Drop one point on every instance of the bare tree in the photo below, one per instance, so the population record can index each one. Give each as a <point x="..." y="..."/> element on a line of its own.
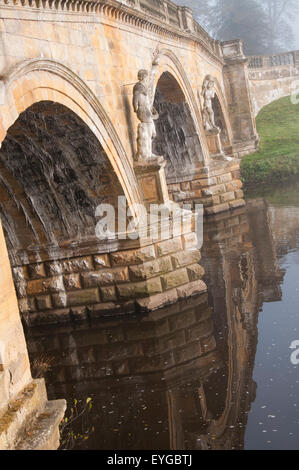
<point x="263" y="25"/>
<point x="279" y="14"/>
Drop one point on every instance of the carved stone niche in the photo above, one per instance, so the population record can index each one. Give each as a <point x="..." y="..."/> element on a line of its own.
<point x="152" y="181"/>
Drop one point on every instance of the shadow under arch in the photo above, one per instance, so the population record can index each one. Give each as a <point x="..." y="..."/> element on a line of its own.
<point x="180" y="115"/>
<point x="222" y="120"/>
<point x="53" y="175"/>
<point x="46" y="80"/>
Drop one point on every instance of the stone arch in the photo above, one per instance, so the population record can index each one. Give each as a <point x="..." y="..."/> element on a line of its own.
<point x="170" y="66"/>
<point x="46" y="80"/>
<point x="222" y="108"/>
<point x="178" y="127"/>
<point x="53" y="175"/>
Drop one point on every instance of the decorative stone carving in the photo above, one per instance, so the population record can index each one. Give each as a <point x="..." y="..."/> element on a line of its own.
<point x="146" y="113"/>
<point x="212" y="131"/>
<point x="208" y="93"/>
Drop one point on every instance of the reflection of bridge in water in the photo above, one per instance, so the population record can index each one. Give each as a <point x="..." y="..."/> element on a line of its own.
<point x="181" y="377"/>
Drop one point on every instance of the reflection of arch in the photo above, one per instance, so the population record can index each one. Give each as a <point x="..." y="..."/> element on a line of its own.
<point x="45" y="80"/>
<point x="231" y="275"/>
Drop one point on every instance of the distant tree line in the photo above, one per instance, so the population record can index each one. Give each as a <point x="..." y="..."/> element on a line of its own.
<point x="263" y="25"/>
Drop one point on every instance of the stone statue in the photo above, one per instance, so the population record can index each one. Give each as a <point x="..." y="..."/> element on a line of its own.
<point x="208" y="92"/>
<point x="146" y="113"/>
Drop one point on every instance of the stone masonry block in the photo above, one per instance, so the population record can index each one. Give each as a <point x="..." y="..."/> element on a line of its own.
<point x="144" y="271"/>
<point x="79" y="297"/>
<point x="74" y="265"/>
<point x="108" y="294"/>
<point x="169" y="246"/>
<point x="50" y="284"/>
<point x="190" y="289"/>
<point x="195" y="272"/>
<point x="140" y="289"/>
<point x="190" y="241"/>
<point x="44" y="302"/>
<point x="101" y="261"/>
<point x="227" y="197"/>
<point x="27" y="305"/>
<point x="214" y="190"/>
<point x="105" y="277"/>
<point x="175" y="278"/>
<point x="36" y="271"/>
<point x="72" y="281"/>
<point x="183" y="258"/>
<point x="130" y="257"/>
<point x="224" y="178"/>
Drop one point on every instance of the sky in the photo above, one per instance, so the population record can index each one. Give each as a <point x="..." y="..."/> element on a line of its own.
<point x="296" y="31"/>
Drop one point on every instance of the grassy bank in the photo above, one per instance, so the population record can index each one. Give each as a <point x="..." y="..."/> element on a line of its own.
<point x="278" y="157"/>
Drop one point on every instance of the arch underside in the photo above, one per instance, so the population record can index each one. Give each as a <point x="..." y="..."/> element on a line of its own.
<point x="177" y="138"/>
<point x="220" y="121"/>
<point x="53" y="175"/>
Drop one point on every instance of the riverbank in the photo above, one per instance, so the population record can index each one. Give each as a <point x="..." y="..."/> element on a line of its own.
<point x="278" y="157"/>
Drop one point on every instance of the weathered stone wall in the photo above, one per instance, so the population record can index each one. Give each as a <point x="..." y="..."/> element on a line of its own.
<point x="127" y="281"/>
<point x="218" y="189"/>
<point x="87" y="58"/>
<point x="23" y="401"/>
<point x="14" y="363"/>
<point x="273" y="77"/>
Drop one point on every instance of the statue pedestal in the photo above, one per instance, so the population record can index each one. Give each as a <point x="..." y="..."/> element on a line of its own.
<point x="152" y="180"/>
<point x="214" y="143"/>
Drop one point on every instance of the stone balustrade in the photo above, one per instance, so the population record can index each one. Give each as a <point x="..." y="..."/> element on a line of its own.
<point x="274" y="60"/>
<point x="272" y="77"/>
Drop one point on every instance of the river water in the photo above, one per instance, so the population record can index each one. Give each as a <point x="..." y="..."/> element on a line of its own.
<point x="209" y="373"/>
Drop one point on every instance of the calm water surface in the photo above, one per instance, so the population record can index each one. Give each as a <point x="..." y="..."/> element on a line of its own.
<point x="208" y="373"/>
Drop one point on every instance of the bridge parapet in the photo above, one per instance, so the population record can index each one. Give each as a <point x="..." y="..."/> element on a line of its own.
<point x="276" y="60"/>
<point x="169" y="15"/>
<point x="267" y="67"/>
<point x="272" y="77"/>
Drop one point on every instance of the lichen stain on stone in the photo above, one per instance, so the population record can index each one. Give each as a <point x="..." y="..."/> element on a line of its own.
<point x="15" y="406"/>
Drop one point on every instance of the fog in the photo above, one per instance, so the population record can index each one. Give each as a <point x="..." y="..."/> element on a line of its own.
<point x="266" y="31"/>
<point x="296" y="32"/>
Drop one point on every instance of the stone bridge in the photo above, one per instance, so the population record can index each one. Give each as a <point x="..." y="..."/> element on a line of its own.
<point x="68" y="143"/>
<point x="273" y="77"/>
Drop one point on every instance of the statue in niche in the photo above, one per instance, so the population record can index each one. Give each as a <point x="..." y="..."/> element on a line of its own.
<point x="146" y="113"/>
<point x="208" y="93"/>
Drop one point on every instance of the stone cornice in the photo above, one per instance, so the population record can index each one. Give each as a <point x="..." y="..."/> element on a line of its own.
<point x="126" y="12"/>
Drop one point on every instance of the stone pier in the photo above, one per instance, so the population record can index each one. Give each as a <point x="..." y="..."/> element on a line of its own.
<point x="27" y="419"/>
